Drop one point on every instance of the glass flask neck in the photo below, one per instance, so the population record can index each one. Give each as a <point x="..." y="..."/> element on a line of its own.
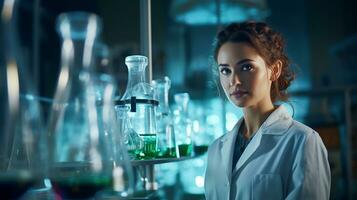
<point x="183" y="109"/>
<point x="79" y="33"/>
<point x="163" y="97"/>
<point x="137" y="85"/>
<point x="136" y="75"/>
<point x="122" y="116"/>
<point x="162" y="88"/>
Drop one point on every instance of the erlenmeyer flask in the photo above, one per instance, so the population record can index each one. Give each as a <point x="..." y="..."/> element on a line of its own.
<point x="87" y="154"/>
<point x="139" y="97"/>
<point x="183" y="124"/>
<point x="165" y="130"/>
<point x="22" y="144"/>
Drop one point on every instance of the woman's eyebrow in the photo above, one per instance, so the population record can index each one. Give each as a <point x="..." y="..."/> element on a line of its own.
<point x="244" y="60"/>
<point x="223" y="65"/>
<point x="238" y="63"/>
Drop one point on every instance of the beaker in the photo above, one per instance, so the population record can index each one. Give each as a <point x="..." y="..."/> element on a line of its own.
<point x="86" y="154"/>
<point x="166" y="135"/>
<point x="183" y="124"/>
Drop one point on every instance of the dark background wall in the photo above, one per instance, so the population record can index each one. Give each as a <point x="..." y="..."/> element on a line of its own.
<point x="313" y="29"/>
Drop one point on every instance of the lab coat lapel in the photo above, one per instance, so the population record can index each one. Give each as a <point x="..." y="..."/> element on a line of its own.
<point x="227" y="148"/>
<point x="250" y="149"/>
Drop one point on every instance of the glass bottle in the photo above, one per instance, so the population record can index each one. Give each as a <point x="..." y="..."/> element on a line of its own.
<point x="183" y="124"/>
<point x="166" y="136"/>
<point x="22" y="140"/>
<point x="139" y="97"/>
<point x="86" y="154"/>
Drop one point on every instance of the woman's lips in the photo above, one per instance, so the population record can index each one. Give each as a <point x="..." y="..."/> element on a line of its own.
<point x="238" y="94"/>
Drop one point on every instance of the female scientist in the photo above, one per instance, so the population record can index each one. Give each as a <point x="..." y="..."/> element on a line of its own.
<point x="267" y="155"/>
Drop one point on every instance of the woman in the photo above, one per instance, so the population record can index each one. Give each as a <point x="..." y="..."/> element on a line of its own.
<point x="267" y="155"/>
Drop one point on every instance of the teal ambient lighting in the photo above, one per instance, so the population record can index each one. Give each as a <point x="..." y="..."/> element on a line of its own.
<point x="202" y="12"/>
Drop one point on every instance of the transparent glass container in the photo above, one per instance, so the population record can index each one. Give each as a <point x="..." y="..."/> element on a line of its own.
<point x="139" y="97"/>
<point x="167" y="147"/>
<point x="22" y="141"/>
<point x="137" y="85"/>
<point x="183" y="125"/>
<point x="87" y="153"/>
<point x="131" y="139"/>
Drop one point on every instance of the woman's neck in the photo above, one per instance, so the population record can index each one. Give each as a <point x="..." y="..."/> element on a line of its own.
<point x="254" y="117"/>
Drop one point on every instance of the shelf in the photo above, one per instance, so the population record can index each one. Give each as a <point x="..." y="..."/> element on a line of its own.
<point x="160" y="160"/>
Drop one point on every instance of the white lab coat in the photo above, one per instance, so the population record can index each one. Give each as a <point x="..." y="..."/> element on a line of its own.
<point x="284" y="160"/>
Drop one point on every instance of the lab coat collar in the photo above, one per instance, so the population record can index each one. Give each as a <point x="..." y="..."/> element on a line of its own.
<point x="276" y="124"/>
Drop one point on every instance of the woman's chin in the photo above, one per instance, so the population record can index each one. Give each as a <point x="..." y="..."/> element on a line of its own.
<point x="238" y="103"/>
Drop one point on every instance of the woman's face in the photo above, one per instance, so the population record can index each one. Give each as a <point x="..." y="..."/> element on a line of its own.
<point x="244" y="75"/>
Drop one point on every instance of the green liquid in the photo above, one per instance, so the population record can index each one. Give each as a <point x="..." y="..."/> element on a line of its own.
<point x="168" y="153"/>
<point x="81" y="187"/>
<point x="185" y="149"/>
<point x="200" y="149"/>
<point x="148" y="151"/>
<point x="134" y="154"/>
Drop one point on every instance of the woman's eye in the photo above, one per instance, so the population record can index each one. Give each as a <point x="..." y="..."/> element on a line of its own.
<point x="247" y="67"/>
<point x="225" y="71"/>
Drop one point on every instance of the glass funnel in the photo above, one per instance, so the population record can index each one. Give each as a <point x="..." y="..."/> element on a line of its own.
<point x="183" y="124"/>
<point x="166" y="136"/>
<point x="22" y="143"/>
<point x="86" y="154"/>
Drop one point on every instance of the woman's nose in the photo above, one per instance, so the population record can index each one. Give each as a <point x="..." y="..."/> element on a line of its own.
<point x="234" y="80"/>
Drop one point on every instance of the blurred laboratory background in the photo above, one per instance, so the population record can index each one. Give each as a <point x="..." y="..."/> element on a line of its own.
<point x="177" y="37"/>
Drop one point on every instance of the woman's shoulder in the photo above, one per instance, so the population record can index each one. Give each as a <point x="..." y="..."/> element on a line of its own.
<point x="300" y="129"/>
<point x="303" y="134"/>
<point x="218" y="142"/>
<point x="307" y="144"/>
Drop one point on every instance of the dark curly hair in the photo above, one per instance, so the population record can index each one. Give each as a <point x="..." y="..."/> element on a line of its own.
<point x="270" y="46"/>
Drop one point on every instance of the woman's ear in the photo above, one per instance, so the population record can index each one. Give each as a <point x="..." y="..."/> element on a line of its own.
<point x="276" y="70"/>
